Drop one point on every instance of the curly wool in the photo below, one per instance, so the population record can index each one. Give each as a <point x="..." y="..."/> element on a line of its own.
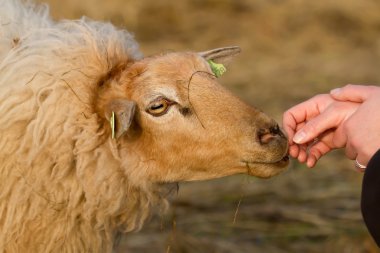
<point x="62" y="187"/>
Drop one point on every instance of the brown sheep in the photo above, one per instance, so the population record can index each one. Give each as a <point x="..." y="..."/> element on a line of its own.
<point x="70" y="181"/>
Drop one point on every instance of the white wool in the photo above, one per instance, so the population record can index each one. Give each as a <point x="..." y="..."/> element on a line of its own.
<point x="62" y="189"/>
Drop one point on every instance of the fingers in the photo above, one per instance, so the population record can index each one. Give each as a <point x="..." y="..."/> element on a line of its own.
<point x="292" y="120"/>
<point x="353" y="155"/>
<point x="306" y="120"/>
<point x="289" y="124"/>
<point x="303" y="112"/>
<point x="331" y="118"/>
<point x="302" y="154"/>
<point x="311" y="152"/>
<point x="352" y="93"/>
<point x="350" y="150"/>
<point x="294" y="150"/>
<point x="317" y="151"/>
<point x="362" y="160"/>
<point x="298" y="151"/>
<point x="320" y="147"/>
<point x="319" y="116"/>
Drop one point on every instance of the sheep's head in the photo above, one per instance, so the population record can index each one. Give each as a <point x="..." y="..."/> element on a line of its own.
<point x="174" y="121"/>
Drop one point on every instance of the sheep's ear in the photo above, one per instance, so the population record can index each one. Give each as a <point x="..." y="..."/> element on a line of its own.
<point x="221" y="55"/>
<point x="120" y="114"/>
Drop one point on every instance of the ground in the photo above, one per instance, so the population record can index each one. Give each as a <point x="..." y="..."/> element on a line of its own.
<point x="291" y="50"/>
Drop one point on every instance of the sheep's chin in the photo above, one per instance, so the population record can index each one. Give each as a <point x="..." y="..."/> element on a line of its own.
<point x="267" y="170"/>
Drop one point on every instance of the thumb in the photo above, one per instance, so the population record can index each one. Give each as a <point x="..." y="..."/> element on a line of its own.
<point x="352" y="93"/>
<point x="329" y="119"/>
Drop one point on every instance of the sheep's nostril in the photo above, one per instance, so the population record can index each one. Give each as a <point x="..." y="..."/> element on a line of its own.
<point x="267" y="135"/>
<point x="275" y="130"/>
<point x="266" y="138"/>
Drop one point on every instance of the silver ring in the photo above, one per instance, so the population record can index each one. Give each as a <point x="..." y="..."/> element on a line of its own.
<point x="360" y="167"/>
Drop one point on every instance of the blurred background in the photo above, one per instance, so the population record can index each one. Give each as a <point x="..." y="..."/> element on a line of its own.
<point x="291" y="50"/>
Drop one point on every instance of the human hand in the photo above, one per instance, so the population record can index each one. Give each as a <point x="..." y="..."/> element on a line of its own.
<point x="314" y="127"/>
<point x="363" y="127"/>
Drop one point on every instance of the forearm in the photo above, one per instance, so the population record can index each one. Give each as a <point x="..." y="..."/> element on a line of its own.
<point x="370" y="202"/>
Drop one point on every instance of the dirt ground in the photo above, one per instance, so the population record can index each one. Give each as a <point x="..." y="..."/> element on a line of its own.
<point x="292" y="50"/>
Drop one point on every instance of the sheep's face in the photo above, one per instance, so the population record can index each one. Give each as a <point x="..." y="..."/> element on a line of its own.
<point x="188" y="127"/>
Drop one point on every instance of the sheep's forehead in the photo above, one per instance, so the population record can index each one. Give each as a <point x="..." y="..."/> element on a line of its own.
<point x="179" y="65"/>
<point x="170" y="74"/>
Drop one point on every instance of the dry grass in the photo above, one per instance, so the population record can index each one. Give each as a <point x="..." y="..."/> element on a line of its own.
<point x="292" y="49"/>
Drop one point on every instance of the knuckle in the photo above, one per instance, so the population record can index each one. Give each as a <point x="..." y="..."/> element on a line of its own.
<point x="287" y="114"/>
<point x="288" y="119"/>
<point x="316" y="153"/>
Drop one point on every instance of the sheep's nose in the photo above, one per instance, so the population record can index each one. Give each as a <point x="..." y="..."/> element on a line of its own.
<point x="266" y="135"/>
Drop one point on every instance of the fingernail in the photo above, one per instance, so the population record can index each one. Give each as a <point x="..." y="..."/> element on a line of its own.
<point x="335" y="91"/>
<point x="299" y="137"/>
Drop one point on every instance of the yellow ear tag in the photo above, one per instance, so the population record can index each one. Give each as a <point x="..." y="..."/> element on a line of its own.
<point x="112" y="122"/>
<point x="217" y="68"/>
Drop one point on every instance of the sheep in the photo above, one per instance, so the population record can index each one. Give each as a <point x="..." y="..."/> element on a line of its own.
<point x="90" y="130"/>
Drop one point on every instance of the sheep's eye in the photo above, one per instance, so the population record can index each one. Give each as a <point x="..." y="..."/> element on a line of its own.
<point x="159" y="107"/>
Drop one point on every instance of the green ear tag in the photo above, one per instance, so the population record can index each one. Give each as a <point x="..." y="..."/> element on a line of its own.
<point x="112" y="122"/>
<point x="217" y="68"/>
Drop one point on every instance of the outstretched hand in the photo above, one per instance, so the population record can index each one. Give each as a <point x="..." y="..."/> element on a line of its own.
<point x="315" y="127"/>
<point x="347" y="117"/>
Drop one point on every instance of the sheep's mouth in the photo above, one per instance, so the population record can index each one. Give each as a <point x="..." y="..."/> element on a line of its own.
<point x="267" y="169"/>
<point x="284" y="161"/>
